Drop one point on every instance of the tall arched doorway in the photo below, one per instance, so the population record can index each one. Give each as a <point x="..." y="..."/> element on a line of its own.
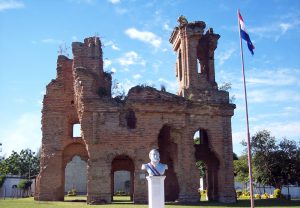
<point x="76" y="176"/>
<point x="122" y="166"/>
<point x="208" y="158"/>
<point x="75" y="159"/>
<point x="168" y="155"/>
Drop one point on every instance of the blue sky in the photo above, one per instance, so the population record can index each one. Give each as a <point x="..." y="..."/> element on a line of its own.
<point x="135" y="36"/>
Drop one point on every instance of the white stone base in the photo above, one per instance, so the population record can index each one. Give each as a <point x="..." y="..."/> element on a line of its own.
<point x="156" y="191"/>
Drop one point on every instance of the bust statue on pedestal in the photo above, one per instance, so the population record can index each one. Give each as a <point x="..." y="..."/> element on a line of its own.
<point x="154" y="167"/>
<point x="156" y="190"/>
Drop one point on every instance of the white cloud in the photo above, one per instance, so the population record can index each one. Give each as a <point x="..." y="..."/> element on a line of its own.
<point x="20" y="100"/>
<point x="269" y="95"/>
<point x="114" y="47"/>
<point x="51" y="40"/>
<point x="112" y="44"/>
<point x="137" y="76"/>
<point x="144" y="36"/>
<point x="287" y="129"/>
<point x="285" y="27"/>
<point x="172" y="86"/>
<point x="107" y="63"/>
<point x="224" y="56"/>
<point x="167" y="27"/>
<point x="275" y="77"/>
<point x="156" y="66"/>
<point x="274" y="85"/>
<point x="131" y="58"/>
<point x="238" y="137"/>
<point x="126" y="85"/>
<point x="10" y="4"/>
<point x="276" y="29"/>
<point x="114" y="70"/>
<point x="121" y="11"/>
<point x="82" y="1"/>
<point x="25" y="133"/>
<point x="114" y="1"/>
<point x="74" y="38"/>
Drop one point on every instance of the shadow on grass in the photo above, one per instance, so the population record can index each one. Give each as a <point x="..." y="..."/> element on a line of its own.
<point x="246" y="203"/>
<point x="122" y="202"/>
<point x="78" y="198"/>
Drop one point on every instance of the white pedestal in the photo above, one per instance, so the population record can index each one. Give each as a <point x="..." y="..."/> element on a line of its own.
<point x="156" y="191"/>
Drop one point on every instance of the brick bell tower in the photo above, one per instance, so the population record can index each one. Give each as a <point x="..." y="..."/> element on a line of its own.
<point x="195" y="68"/>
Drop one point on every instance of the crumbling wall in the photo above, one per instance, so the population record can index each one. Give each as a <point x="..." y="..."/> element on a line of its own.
<point x="146" y="119"/>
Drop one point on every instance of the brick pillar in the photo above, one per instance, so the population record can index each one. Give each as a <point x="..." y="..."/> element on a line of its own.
<point x="190" y="179"/>
<point x="51" y="188"/>
<point x="222" y="146"/>
<point x="99" y="181"/>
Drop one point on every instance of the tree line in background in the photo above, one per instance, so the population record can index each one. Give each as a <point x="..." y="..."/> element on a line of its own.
<point x="25" y="164"/>
<point x="274" y="163"/>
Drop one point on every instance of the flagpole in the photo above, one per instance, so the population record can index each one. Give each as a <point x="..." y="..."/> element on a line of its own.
<point x="247" y="120"/>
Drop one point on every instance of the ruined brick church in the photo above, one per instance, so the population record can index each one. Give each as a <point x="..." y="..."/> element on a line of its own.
<point x="118" y="134"/>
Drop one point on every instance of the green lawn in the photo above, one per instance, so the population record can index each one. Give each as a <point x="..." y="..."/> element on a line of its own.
<point x="30" y="203"/>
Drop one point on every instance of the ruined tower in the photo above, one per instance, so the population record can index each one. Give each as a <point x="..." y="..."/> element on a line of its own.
<point x="195" y="68"/>
<point x="118" y="134"/>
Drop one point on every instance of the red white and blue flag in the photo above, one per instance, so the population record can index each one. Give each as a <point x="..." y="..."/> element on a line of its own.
<point x="244" y="33"/>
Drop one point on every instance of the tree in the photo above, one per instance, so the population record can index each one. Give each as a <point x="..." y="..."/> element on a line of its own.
<point x="289" y="157"/>
<point x="235" y="157"/>
<point x="202" y="168"/>
<point x="263" y="148"/>
<point x="2" y="179"/>
<point x="241" y="169"/>
<point x="275" y="164"/>
<point x="25" y="164"/>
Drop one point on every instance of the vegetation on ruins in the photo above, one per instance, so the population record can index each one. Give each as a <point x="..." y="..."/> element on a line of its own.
<point x="227" y="86"/>
<point x="118" y="92"/>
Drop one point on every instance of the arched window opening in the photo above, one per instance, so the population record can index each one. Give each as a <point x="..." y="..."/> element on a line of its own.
<point x="200" y="137"/>
<point x="76" y="130"/>
<point x="198" y="67"/>
<point x="180" y="65"/>
<point x="131" y="119"/>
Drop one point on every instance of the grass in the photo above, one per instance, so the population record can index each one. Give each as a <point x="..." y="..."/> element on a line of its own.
<point x="30" y="203"/>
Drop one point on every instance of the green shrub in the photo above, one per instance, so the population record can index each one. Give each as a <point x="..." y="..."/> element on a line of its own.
<point x="120" y="193"/>
<point x="24" y="184"/>
<point x="2" y="179"/>
<point x="203" y="194"/>
<point x="244" y="197"/>
<point x="72" y="192"/>
<point x="246" y="193"/>
<point x="257" y="196"/>
<point x="265" y="196"/>
<point x="239" y="193"/>
<point x="277" y="193"/>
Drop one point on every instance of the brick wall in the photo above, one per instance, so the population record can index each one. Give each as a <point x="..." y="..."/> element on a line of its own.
<point x="162" y="120"/>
